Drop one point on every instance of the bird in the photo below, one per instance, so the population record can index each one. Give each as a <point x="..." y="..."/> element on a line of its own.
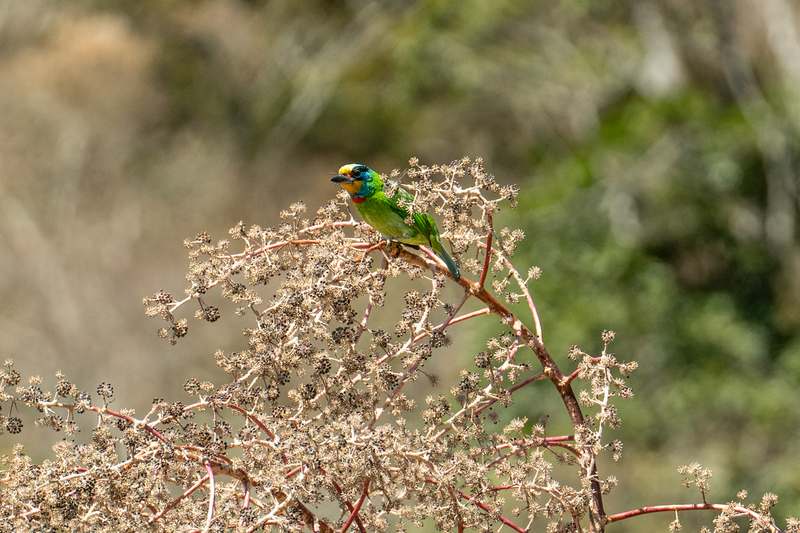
<point x="366" y="189"/>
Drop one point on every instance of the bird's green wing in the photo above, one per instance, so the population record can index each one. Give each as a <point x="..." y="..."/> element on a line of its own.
<point x="423" y="231"/>
<point x="423" y="228"/>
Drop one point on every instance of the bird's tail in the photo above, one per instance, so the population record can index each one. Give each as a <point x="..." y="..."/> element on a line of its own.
<point x="451" y="265"/>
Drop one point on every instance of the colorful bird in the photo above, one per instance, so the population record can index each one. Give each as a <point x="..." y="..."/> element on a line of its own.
<point x="383" y="214"/>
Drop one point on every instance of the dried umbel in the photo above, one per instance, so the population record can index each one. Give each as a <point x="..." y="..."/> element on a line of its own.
<point x="315" y="408"/>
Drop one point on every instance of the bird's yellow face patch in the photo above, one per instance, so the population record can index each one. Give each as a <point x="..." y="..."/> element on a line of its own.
<point x="352" y="187"/>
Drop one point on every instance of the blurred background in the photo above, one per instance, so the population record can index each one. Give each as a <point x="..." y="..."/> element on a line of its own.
<point x="655" y="142"/>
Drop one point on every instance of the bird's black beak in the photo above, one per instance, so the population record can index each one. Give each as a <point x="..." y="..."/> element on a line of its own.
<point x="342" y="178"/>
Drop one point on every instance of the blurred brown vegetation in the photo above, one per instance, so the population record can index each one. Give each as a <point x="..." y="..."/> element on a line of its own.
<point x="655" y="142"/>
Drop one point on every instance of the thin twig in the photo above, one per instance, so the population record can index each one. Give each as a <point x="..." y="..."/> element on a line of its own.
<point x="488" y="258"/>
<point x="354" y="512"/>
<point x="212" y="492"/>
<point x="483" y="506"/>
<point x="177" y="500"/>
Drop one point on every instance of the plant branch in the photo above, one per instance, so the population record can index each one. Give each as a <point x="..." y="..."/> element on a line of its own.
<point x="354" y="512"/>
<point x="739" y="509"/>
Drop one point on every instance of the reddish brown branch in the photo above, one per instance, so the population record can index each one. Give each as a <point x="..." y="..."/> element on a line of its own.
<point x="558" y="441"/>
<point x="292" y="473"/>
<point x="449" y="320"/>
<point x="253" y="418"/>
<point x="354" y="512"/>
<point x="535" y="377"/>
<point x="346" y="502"/>
<point x="177" y="500"/>
<point x="481" y="506"/>
<point x="246" y="502"/>
<point x="549" y="368"/>
<point x="744" y="511"/>
<point x="488" y="258"/>
<point x="150" y="429"/>
<point x="484" y="311"/>
<point x="578" y="371"/>
<point x="545" y="442"/>
<point x="212" y="493"/>
<point x="504" y="520"/>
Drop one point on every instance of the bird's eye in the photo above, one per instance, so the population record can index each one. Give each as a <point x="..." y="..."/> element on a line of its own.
<point x="356" y="172"/>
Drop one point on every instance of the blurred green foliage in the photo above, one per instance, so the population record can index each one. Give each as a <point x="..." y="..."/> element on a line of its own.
<point x="656" y="144"/>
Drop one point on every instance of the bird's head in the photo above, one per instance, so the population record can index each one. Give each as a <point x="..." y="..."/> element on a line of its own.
<point x="359" y="180"/>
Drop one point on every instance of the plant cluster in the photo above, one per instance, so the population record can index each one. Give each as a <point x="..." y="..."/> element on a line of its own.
<point x="315" y="427"/>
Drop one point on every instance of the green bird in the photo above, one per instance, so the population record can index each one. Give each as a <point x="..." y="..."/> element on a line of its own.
<point x="383" y="214"/>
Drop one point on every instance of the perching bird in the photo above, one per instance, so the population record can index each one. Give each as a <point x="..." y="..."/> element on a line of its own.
<point x="383" y="214"/>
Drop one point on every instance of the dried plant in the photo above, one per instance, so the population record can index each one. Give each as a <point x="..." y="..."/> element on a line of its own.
<point x="316" y="410"/>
